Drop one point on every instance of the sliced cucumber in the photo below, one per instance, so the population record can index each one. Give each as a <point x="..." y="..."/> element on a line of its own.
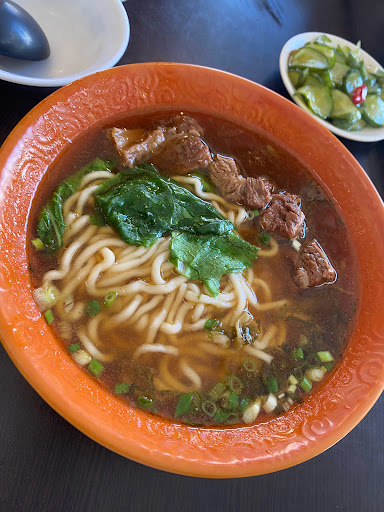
<point x="319" y="99"/>
<point x="337" y="73"/>
<point x="326" y="50"/>
<point x="343" y="108"/>
<point x="309" y="58"/>
<point x="355" y="126"/>
<point x="323" y="39"/>
<point x="340" y="57"/>
<point x="313" y="79"/>
<point x="326" y="78"/>
<point x="295" y="77"/>
<point x="373" y="111"/>
<point x="352" y="80"/>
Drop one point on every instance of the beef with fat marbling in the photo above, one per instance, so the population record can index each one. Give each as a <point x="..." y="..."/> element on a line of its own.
<point x="283" y="216"/>
<point x="252" y="193"/>
<point x="312" y="267"/>
<point x="135" y="146"/>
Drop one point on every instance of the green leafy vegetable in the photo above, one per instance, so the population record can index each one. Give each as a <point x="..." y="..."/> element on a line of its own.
<point x="50" y="228"/>
<point x="141" y="205"/>
<point x="208" y="258"/>
<point x="74" y="347"/>
<point x="183" y="404"/>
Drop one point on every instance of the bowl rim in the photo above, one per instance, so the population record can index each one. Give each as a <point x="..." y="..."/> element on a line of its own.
<point x="306" y="430"/>
<point x="368" y="134"/>
<point x="118" y="12"/>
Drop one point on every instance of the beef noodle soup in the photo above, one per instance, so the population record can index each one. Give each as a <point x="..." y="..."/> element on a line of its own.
<point x="195" y="268"/>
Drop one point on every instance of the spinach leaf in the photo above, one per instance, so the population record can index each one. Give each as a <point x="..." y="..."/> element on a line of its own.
<point x="141" y="205"/>
<point x="50" y="227"/>
<point x="208" y="257"/>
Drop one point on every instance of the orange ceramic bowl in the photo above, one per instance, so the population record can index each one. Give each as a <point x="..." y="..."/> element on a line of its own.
<point x="283" y="441"/>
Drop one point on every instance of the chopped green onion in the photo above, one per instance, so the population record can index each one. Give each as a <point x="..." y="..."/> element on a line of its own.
<point x="38" y="244"/>
<point x="109" y="299"/>
<point x="249" y="365"/>
<point x="292" y="379"/>
<point x="328" y="366"/>
<point x="234" y="384"/>
<point x="95" y="367"/>
<point x="48" y="316"/>
<point x="93" y="308"/>
<point x="183" y="404"/>
<point x="209" y="408"/>
<point x="272" y="384"/>
<point x="298" y="353"/>
<point x="211" y="324"/>
<point x="243" y="404"/>
<point x="74" y="347"/>
<point x="206" y="185"/>
<point x="256" y="213"/>
<point x="306" y="384"/>
<point x="325" y="357"/>
<point x="144" y="402"/>
<point x="232" y="418"/>
<point x="121" y="388"/>
<point x="233" y="400"/>
<point x="265" y="238"/>
<point x="220" y="416"/>
<point x="217" y="391"/>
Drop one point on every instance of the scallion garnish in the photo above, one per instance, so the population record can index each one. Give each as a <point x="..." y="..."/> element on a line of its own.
<point x="234" y="384"/>
<point x="243" y="404"/>
<point x="183" y="404"/>
<point x="209" y="408"/>
<point x="256" y="213"/>
<point x="265" y="238"/>
<point x="121" y="388"/>
<point x="220" y="416"/>
<point x="306" y="385"/>
<point x="37" y="244"/>
<point x="74" y="347"/>
<point x="217" y="391"/>
<point x="328" y="365"/>
<point x="211" y="324"/>
<point x="49" y="316"/>
<point x="298" y="353"/>
<point x="145" y="402"/>
<point x="325" y="356"/>
<point x="93" y="308"/>
<point x="249" y="365"/>
<point x="109" y="299"/>
<point x="95" y="367"/>
<point x="272" y="385"/>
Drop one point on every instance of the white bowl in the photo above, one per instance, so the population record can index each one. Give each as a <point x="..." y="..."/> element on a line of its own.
<point x="85" y="36"/>
<point x="367" y="134"/>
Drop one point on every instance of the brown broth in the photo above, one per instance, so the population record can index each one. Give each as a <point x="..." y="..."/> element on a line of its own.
<point x="329" y="308"/>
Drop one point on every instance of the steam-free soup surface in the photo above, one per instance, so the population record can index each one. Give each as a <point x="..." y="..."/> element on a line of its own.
<point x="163" y="341"/>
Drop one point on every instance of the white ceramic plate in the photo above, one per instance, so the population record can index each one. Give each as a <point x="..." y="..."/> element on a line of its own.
<point x="367" y="134"/>
<point x="85" y="36"/>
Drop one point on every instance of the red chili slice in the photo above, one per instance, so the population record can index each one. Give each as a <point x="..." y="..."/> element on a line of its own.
<point x="359" y="94"/>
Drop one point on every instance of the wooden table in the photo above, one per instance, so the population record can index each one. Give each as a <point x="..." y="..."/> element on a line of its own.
<point x="48" y="465"/>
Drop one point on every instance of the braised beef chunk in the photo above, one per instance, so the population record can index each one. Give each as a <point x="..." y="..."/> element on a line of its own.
<point x="252" y="193"/>
<point x="136" y="146"/>
<point x="134" y="151"/>
<point x="283" y="216"/>
<point x="312" y="267"/>
<point x="187" y="126"/>
<point x="183" y="155"/>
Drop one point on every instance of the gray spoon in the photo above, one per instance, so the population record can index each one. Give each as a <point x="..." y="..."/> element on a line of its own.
<point x="21" y="37"/>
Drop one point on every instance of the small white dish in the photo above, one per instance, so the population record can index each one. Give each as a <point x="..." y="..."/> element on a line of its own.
<point x="367" y="134"/>
<point x="84" y="36"/>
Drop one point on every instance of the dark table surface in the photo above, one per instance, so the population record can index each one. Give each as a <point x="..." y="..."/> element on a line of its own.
<point x="48" y="465"/>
